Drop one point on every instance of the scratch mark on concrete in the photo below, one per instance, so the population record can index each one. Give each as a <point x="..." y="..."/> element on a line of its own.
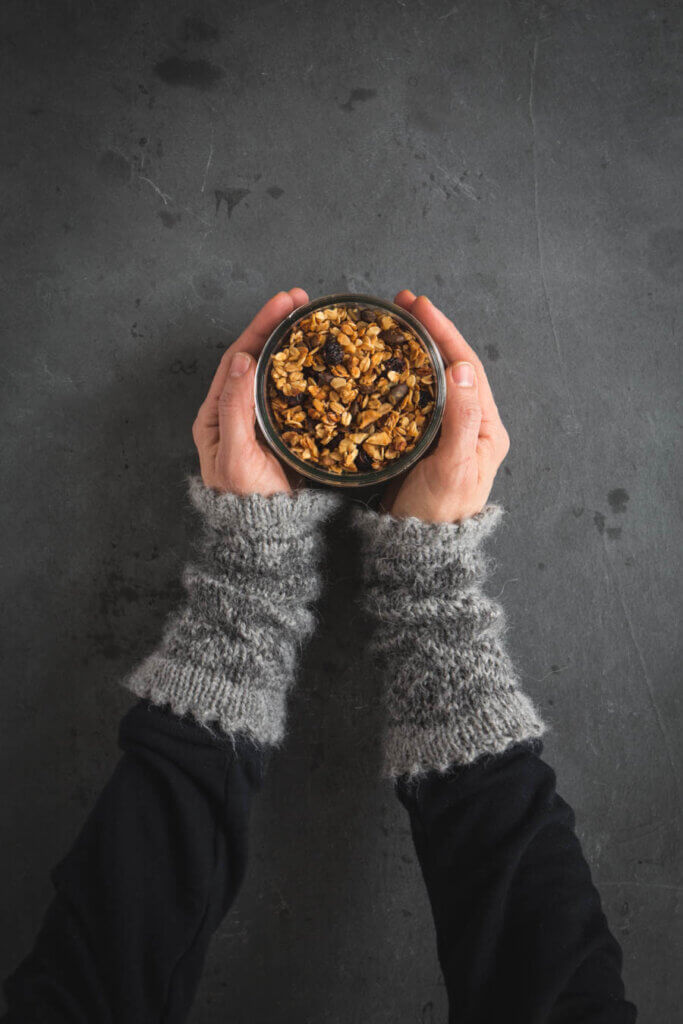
<point x="162" y="195"/>
<point x="646" y="675"/>
<point x="458" y="184"/>
<point x="537" y="216"/>
<point x="208" y="164"/>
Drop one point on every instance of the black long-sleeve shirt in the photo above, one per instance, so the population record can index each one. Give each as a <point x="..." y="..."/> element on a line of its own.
<point x="520" y="933"/>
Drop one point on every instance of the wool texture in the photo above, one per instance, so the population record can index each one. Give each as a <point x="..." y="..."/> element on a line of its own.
<point x="228" y="654"/>
<point x="451" y="693"/>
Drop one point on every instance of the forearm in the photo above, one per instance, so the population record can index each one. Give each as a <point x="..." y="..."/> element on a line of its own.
<point x="520" y="932"/>
<point x="451" y="692"/>
<point x="153" y="871"/>
<point x="521" y="935"/>
<point x="229" y="654"/>
<point x="160" y="858"/>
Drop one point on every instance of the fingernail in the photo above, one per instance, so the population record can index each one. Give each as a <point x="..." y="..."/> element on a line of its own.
<point x="463" y="375"/>
<point x="240" y="364"/>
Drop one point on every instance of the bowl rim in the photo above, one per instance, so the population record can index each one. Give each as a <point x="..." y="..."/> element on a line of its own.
<point x="311" y="471"/>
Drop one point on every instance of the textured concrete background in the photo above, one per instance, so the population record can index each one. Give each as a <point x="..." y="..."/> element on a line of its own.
<point x="168" y="166"/>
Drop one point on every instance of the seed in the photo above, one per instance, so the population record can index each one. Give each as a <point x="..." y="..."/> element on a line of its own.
<point x="399" y="392"/>
<point x="392" y="337"/>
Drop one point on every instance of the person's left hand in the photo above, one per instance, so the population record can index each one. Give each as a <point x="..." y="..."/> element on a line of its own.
<point x="230" y="457"/>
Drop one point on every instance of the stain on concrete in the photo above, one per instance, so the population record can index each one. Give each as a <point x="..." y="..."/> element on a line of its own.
<point x="188" y="369"/>
<point x="357" y="96"/>
<point x="618" y="499"/>
<point x="614" y="532"/>
<point x="169" y="219"/>
<point x="114" y="168"/>
<point x="231" y="197"/>
<point x="492" y="352"/>
<point x="599" y="521"/>
<point x="275" y="191"/>
<point x="195" y="74"/>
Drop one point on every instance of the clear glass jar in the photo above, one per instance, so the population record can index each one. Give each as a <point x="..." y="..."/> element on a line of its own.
<point x="269" y="428"/>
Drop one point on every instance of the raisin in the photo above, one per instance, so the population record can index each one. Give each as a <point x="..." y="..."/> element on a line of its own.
<point x="312" y="374"/>
<point x="363" y="461"/>
<point x="294" y="399"/>
<point x="332" y="352"/>
<point x="334" y="442"/>
<point x="425" y="399"/>
<point x="395" y="364"/>
<point x="392" y="337"/>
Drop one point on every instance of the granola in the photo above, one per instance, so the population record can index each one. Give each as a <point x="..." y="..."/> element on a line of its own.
<point x="351" y="389"/>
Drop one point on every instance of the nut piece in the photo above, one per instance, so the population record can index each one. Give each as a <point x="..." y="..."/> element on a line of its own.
<point x="351" y="389"/>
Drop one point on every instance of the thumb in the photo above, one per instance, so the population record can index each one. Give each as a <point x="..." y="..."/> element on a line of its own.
<point x="462" y="415"/>
<point x="236" y="414"/>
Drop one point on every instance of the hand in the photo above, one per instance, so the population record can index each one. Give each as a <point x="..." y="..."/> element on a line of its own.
<point x="230" y="457"/>
<point x="454" y="482"/>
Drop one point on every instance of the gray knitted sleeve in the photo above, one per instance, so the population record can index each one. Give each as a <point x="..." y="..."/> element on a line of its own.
<point x="450" y="691"/>
<point x="228" y="655"/>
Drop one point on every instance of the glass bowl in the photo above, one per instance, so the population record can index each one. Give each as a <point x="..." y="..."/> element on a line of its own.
<point x="269" y="427"/>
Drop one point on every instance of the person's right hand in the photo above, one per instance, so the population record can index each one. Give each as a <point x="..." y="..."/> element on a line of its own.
<point x="230" y="456"/>
<point x="454" y="482"/>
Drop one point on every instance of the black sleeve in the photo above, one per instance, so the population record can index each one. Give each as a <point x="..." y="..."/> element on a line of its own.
<point x="152" y="873"/>
<point x="521" y="935"/>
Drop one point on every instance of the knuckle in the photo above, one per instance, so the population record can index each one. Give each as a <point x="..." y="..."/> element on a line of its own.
<point x="486" y="448"/>
<point x="227" y="400"/>
<point x="469" y="414"/>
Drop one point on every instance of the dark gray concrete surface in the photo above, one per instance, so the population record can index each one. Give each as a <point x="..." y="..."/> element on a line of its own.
<point x="168" y="166"/>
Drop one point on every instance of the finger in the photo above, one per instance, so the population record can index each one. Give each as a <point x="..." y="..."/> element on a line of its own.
<point x="236" y="413"/>
<point x="299" y="297"/>
<point x="454" y="348"/>
<point x="462" y="415"/>
<point x="405" y="298"/>
<point x="251" y="340"/>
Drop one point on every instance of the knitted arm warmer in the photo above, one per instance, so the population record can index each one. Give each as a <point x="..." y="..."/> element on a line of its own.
<point x="450" y="690"/>
<point x="228" y="655"/>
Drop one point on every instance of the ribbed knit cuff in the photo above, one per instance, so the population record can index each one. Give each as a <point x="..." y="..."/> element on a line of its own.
<point x="451" y="693"/>
<point x="228" y="656"/>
